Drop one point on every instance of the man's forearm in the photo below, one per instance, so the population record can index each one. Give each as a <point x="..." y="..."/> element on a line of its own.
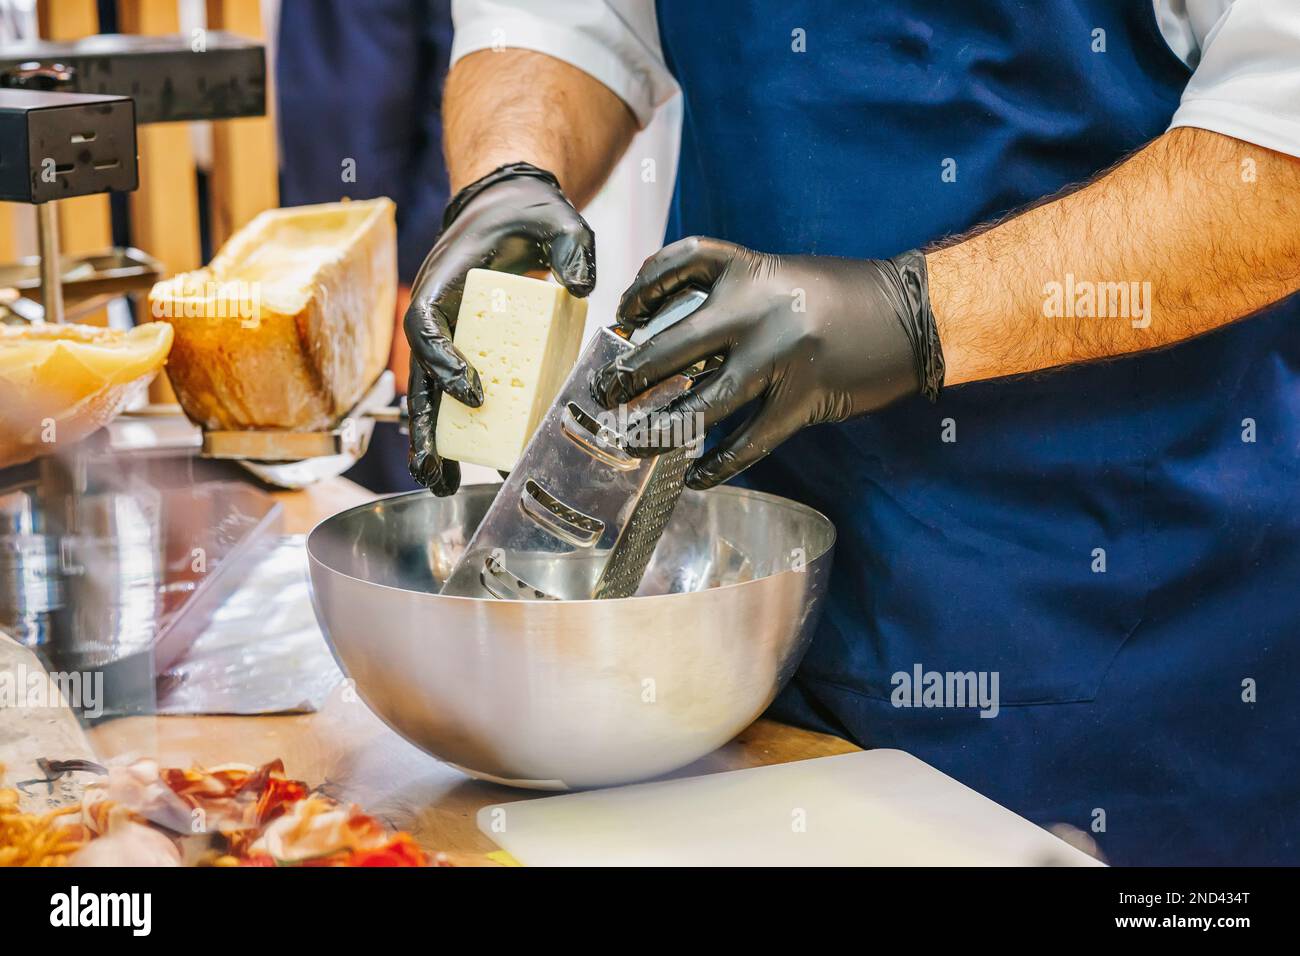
<point x="1195" y="231"/>
<point x="516" y="105"/>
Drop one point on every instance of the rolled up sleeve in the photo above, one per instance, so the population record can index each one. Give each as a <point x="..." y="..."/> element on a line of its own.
<point x="1247" y="81"/>
<point x="616" y="43"/>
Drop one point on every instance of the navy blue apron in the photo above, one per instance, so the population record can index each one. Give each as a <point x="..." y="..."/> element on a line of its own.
<point x="1118" y="542"/>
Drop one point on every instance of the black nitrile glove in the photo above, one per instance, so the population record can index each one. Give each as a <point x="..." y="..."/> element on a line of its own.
<point x="809" y="338"/>
<point x="514" y="219"/>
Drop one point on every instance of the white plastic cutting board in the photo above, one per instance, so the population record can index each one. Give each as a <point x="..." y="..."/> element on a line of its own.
<point x="874" y="808"/>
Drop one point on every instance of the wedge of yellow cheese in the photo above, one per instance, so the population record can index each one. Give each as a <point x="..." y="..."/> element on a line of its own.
<point x="59" y="383"/>
<point x="290" y="323"/>
<point x="523" y="336"/>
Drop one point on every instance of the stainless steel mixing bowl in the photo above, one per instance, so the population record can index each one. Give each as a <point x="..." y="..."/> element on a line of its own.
<point x="562" y="694"/>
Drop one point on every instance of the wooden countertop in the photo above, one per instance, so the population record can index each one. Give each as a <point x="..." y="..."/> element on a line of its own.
<point x="349" y="750"/>
<point x="346" y="748"/>
<point x="304" y="508"/>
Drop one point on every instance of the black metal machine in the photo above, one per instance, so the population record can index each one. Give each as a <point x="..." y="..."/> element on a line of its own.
<point x="60" y="145"/>
<point x="113" y="557"/>
<point x="216" y="75"/>
<point x="68" y="113"/>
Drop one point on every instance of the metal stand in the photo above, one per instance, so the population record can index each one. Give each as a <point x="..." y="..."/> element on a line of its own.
<point x="47" y="231"/>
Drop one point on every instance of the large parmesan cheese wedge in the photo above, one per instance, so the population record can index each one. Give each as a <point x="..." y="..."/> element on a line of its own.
<point x="523" y="336"/>
<point x="290" y="323"/>
<point x="59" y="383"/>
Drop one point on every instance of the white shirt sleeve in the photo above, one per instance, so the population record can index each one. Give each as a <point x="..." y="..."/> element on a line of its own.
<point x="613" y="41"/>
<point x="1245" y="55"/>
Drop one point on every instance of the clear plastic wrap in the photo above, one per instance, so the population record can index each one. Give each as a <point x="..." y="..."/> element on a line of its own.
<point x="263" y="653"/>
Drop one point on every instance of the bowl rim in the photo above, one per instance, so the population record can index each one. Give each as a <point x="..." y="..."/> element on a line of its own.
<point x="731" y="490"/>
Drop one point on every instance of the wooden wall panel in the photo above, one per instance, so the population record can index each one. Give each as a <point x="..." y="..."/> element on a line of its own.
<point x="165" y="209"/>
<point x="243" y="180"/>
<point x="85" y="223"/>
<point x="9" y="218"/>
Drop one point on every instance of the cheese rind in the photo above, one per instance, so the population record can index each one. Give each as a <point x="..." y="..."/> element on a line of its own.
<point x="291" y="322"/>
<point x="523" y="336"/>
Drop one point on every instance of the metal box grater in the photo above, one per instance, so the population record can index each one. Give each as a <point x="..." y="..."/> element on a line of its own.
<point x="579" y="517"/>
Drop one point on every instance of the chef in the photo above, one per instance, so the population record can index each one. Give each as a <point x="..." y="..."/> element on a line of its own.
<point x="1002" y="289"/>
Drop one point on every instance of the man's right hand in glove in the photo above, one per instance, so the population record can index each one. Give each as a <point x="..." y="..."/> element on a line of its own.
<point x="514" y="219"/>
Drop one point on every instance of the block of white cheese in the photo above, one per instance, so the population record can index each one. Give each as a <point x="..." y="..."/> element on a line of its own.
<point x="523" y="336"/>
